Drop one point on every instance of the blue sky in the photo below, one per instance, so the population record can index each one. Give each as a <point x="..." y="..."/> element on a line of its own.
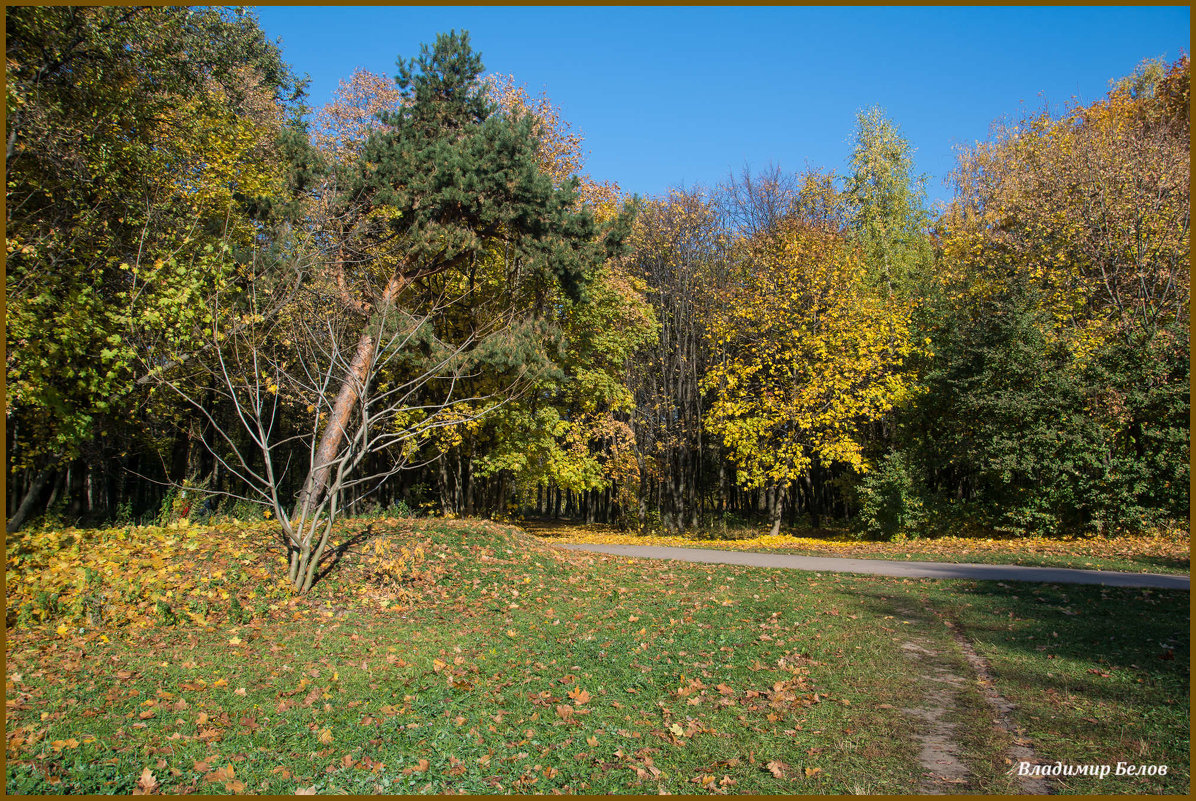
<point x="670" y="97"/>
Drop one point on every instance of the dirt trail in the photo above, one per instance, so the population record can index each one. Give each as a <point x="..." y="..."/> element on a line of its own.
<point x="1019" y="750"/>
<point x="944" y="771"/>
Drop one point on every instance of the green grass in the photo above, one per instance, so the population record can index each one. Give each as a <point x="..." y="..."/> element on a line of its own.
<point x="686" y="678"/>
<point x="1099" y="675"/>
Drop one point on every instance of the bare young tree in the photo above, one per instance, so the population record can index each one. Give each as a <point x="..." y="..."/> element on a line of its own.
<point x="269" y="383"/>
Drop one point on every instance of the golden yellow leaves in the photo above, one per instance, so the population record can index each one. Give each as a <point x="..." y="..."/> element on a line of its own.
<point x="809" y="354"/>
<point x="137" y="576"/>
<point x="392" y="565"/>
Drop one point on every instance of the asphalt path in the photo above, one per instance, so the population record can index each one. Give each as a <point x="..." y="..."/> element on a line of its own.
<point x="884" y="567"/>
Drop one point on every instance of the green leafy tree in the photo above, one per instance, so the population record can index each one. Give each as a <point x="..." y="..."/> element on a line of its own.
<point x="1063" y="338"/>
<point x="139" y="139"/>
<point x="885" y="206"/>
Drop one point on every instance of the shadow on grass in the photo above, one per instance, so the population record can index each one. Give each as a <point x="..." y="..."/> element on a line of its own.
<point x="333" y="557"/>
<point x="1072" y="643"/>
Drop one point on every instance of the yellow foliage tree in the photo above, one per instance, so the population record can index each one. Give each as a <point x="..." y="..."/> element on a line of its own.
<point x="807" y="355"/>
<point x="1091" y="209"/>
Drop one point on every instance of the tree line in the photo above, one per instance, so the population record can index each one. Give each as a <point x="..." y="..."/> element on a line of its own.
<point x="414" y="298"/>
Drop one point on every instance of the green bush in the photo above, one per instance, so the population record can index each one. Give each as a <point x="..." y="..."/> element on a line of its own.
<point x="891" y="503"/>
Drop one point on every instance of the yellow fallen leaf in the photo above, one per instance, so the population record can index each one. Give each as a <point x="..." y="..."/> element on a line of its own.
<point x="326" y="737"/>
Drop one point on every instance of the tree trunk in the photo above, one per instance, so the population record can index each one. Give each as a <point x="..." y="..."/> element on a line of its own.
<point x="777" y="496"/>
<point x="444" y="487"/>
<point x="342" y="410"/>
<point x="27" y="503"/>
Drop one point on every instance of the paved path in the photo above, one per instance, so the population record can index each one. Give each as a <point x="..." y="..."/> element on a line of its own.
<point x="883" y="567"/>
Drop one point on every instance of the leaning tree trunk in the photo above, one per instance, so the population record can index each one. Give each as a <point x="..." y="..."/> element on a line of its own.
<point x="312" y="537"/>
<point x="27" y="503"/>
<point x="306" y="556"/>
<point x="334" y="435"/>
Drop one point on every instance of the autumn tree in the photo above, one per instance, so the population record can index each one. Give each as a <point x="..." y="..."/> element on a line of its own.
<point x="676" y="252"/>
<point x="1070" y="237"/>
<point x="139" y="139"/>
<point x="442" y="200"/>
<point x="567" y="436"/>
<point x="807" y="354"/>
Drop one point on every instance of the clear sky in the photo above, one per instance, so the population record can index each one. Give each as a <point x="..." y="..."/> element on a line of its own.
<point x="668" y="97"/>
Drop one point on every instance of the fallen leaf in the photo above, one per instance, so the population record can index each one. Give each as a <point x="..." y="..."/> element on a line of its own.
<point x="146" y="783"/>
<point x="777" y="768"/>
<point x="225" y="774"/>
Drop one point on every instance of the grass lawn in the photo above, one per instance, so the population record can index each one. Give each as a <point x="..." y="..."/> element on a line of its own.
<point x="466" y="656"/>
<point x="1160" y="552"/>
